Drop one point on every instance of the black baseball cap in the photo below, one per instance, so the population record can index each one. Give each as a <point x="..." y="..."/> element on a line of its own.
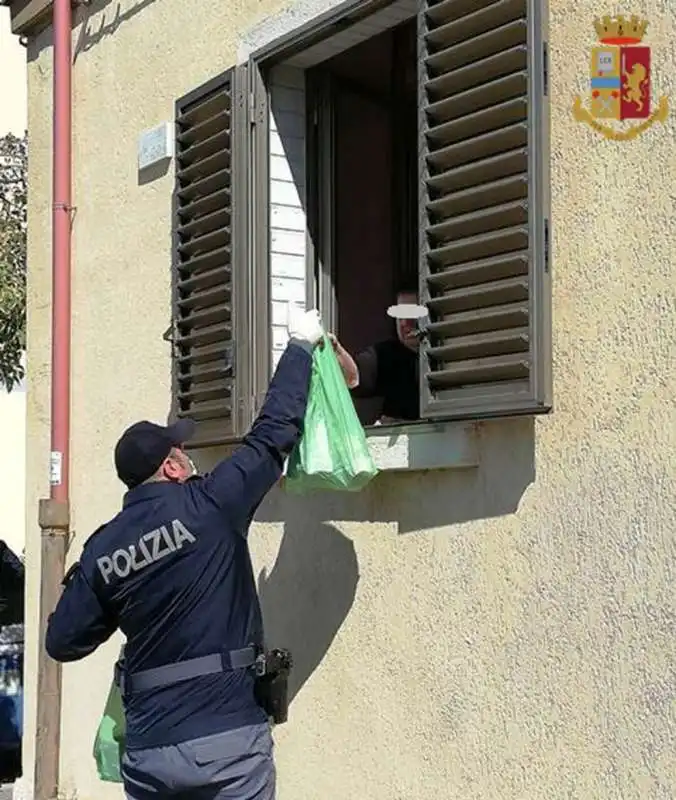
<point x="144" y="446"/>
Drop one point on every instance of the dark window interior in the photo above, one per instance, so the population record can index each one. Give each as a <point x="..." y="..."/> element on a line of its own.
<point x="375" y="215"/>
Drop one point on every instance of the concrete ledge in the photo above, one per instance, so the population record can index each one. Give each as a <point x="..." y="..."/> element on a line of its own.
<point x="28" y="14"/>
<point x="443" y="445"/>
<point x="399" y="448"/>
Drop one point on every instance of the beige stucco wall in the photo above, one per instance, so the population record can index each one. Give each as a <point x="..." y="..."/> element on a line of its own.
<point x="506" y="632"/>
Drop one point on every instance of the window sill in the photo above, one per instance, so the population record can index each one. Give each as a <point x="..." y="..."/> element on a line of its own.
<point x="406" y="448"/>
<point x="423" y="446"/>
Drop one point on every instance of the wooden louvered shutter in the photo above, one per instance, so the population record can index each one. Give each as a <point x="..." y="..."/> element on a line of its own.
<point x="211" y="269"/>
<point x="484" y="256"/>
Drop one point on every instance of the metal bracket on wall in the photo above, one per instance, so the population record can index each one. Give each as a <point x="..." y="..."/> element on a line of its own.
<point x="229" y="358"/>
<point x="170" y="336"/>
<point x="545" y="69"/>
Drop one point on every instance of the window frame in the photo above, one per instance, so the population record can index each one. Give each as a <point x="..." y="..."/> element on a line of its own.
<point x="258" y="234"/>
<point x="320" y="284"/>
<point x="321" y="213"/>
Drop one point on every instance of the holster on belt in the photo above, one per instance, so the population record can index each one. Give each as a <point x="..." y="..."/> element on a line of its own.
<point x="272" y="684"/>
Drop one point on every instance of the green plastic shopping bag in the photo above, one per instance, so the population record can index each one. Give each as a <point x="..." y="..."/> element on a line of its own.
<point x="110" y="738"/>
<point x="333" y="452"/>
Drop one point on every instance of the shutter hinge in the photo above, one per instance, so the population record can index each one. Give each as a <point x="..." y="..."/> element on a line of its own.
<point x="229" y="359"/>
<point x="546" y="245"/>
<point x="545" y="69"/>
<point x="170" y="335"/>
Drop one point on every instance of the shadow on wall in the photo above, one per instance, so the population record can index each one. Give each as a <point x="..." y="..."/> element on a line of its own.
<point x="430" y="499"/>
<point x="92" y="32"/>
<point x="287" y="107"/>
<point x="154" y="172"/>
<point x="312" y="586"/>
<point x="92" y="28"/>
<point x="309" y="592"/>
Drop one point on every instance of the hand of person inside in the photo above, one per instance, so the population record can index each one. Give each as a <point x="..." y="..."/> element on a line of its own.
<point x="347" y="363"/>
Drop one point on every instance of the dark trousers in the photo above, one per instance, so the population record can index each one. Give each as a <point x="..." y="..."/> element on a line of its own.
<point x="236" y="765"/>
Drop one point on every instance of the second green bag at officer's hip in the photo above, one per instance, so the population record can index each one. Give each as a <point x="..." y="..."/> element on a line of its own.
<point x="333" y="452"/>
<point x="110" y="738"/>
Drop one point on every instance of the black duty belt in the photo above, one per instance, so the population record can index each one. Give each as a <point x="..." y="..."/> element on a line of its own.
<point x="157" y="677"/>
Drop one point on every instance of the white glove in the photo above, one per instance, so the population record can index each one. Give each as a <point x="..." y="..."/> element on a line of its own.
<point x="305" y="326"/>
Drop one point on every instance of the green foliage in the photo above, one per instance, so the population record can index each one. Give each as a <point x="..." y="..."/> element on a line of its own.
<point x="13" y="195"/>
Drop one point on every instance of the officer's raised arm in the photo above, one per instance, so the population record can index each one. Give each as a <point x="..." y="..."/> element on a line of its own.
<point x="79" y="624"/>
<point x="239" y="483"/>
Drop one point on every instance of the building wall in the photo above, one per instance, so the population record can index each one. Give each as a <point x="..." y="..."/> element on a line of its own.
<point x="501" y="632"/>
<point x="13" y="405"/>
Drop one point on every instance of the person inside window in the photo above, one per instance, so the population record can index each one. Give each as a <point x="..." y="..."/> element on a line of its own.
<point x="388" y="369"/>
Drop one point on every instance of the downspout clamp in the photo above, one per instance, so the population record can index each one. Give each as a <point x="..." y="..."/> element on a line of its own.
<point x="54" y="512"/>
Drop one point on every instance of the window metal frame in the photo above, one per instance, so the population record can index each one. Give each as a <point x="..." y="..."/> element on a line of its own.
<point x="258" y="172"/>
<point x="315" y="30"/>
<point x="320" y="281"/>
<point x="320" y="172"/>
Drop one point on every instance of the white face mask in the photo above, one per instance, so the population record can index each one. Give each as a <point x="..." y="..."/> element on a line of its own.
<point x="193" y="473"/>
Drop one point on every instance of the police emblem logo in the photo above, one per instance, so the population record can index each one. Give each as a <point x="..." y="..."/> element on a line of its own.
<point x="621" y="81"/>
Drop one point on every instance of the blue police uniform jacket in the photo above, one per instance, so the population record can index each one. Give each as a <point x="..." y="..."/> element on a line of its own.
<point x="172" y="571"/>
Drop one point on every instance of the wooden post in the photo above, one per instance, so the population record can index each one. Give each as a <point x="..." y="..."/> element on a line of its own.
<point x="54" y="524"/>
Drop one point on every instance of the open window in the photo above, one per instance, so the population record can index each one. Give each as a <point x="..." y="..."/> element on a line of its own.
<point x="381" y="145"/>
<point x="426" y="162"/>
<point x="364" y="113"/>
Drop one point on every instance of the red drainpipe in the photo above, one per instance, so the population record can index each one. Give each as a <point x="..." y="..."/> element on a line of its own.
<point x="61" y="245"/>
<point x="54" y="514"/>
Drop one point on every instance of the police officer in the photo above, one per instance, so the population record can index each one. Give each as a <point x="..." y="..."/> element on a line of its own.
<point x="172" y="571"/>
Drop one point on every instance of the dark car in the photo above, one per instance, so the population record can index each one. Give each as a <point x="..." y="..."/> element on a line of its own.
<point x="11" y="662"/>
